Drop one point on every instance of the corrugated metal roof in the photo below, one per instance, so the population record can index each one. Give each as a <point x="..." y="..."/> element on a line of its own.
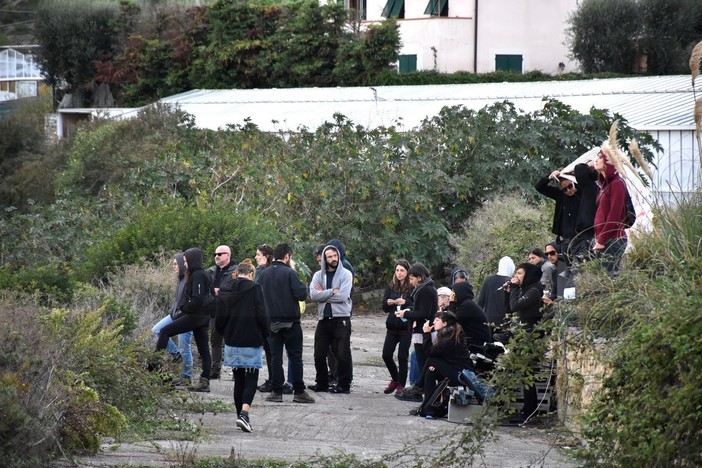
<point x="648" y="103"/>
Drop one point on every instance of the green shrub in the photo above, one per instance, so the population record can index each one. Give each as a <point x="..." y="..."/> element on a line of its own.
<point x="67" y="378"/>
<point x="49" y="281"/>
<point x="503" y="226"/>
<point x="177" y="227"/>
<point x="648" y="411"/>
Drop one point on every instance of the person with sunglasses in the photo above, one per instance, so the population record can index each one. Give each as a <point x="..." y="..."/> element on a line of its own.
<point x="565" y="215"/>
<point x="220" y="276"/>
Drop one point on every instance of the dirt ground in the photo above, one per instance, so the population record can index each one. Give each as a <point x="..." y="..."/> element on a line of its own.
<point x="365" y="423"/>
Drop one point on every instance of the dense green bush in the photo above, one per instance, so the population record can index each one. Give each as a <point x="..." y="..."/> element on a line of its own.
<point x="27" y="168"/>
<point x="67" y="379"/>
<point x="176" y="227"/>
<point x="465" y="77"/>
<point x="648" y="412"/>
<point x="503" y="226"/>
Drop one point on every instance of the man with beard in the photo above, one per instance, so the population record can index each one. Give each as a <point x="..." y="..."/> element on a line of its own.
<point x="331" y="290"/>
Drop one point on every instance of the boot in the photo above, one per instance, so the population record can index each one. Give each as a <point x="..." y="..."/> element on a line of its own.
<point x="203" y="385"/>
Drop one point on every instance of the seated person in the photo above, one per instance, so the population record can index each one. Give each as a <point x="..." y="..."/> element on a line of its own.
<point x="445" y="358"/>
<point x="469" y="315"/>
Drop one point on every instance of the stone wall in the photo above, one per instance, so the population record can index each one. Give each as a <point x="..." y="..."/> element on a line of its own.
<point x="580" y="375"/>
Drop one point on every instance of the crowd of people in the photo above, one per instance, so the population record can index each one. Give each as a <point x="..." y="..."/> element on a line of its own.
<point x="240" y="312"/>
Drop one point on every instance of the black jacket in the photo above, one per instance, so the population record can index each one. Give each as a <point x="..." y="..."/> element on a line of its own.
<point x="395" y="324"/>
<point x="241" y="314"/>
<point x="425" y="304"/>
<point x="282" y="292"/>
<point x="471" y="317"/>
<point x="525" y="301"/>
<point x="197" y="293"/>
<point x="446" y="349"/>
<point x="566" y="207"/>
<point x="587" y="188"/>
<point x="492" y="299"/>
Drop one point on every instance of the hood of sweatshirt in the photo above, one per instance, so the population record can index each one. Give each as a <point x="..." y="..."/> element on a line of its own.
<point x="532" y="274"/>
<point x="505" y="267"/>
<point x="239" y="289"/>
<point x="464" y="292"/>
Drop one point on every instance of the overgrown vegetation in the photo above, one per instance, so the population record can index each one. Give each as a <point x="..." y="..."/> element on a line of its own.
<point x="135" y="53"/>
<point x="634" y="36"/>
<point x="126" y="195"/>
<point x="408" y="191"/>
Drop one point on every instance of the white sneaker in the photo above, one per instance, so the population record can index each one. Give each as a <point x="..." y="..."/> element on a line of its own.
<point x="243" y="423"/>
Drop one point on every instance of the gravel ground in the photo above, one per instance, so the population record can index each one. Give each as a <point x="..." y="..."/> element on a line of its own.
<point x="365" y="423"/>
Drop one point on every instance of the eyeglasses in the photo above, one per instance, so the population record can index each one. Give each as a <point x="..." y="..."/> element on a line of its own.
<point x="567" y="187"/>
<point x="552" y="252"/>
<point x="217" y="254"/>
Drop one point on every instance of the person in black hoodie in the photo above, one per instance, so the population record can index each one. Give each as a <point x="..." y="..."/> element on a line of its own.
<point x="445" y="358"/>
<point x="469" y="314"/>
<point x="399" y="330"/>
<point x="195" y="317"/>
<point x="524" y="295"/>
<point x="425" y="304"/>
<point x="243" y="323"/>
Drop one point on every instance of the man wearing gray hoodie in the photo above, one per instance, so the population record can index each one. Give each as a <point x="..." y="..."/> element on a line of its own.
<point x="331" y="290"/>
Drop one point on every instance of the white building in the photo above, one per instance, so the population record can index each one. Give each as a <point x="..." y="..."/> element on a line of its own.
<point x="477" y="36"/>
<point x="20" y="75"/>
<point x="662" y="106"/>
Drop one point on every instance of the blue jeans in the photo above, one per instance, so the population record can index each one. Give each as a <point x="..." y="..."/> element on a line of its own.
<point x="183" y="347"/>
<point x="415" y="371"/>
<point x="612" y="254"/>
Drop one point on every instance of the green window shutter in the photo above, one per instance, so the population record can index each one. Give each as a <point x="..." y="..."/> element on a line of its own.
<point x="408" y="63"/>
<point x="437" y="8"/>
<point x="508" y="63"/>
<point x="394" y="9"/>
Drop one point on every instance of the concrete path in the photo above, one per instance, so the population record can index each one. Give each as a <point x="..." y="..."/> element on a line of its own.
<point x="365" y="423"/>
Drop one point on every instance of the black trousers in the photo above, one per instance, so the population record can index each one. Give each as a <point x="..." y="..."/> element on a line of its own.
<point x="334" y="332"/>
<point x="442" y="370"/>
<point x="402" y="342"/>
<point x="245" y="381"/>
<point x="199" y="325"/>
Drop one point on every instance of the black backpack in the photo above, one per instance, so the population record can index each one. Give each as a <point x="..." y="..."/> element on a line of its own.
<point x="437" y="404"/>
<point x="630" y="217"/>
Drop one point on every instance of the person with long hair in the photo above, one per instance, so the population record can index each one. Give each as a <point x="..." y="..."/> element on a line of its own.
<point x="610" y="234"/>
<point x="243" y="322"/>
<point x="524" y="296"/>
<point x="425" y="303"/>
<point x="264" y="257"/>
<point x="182" y="351"/>
<point x="446" y="357"/>
<point x="399" y="330"/>
<point x="194" y="315"/>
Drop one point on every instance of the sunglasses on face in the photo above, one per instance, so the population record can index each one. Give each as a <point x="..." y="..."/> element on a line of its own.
<point x="552" y="252"/>
<point x="217" y="254"/>
<point x="567" y="187"/>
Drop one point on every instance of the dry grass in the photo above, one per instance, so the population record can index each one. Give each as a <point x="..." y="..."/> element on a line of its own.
<point x="695" y="58"/>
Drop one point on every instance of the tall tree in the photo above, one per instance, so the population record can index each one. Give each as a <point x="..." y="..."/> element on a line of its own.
<point x="625" y="36"/>
<point x="73" y="35"/>
<point x="602" y="35"/>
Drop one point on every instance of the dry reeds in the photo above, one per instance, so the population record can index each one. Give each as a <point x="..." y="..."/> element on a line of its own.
<point x="634" y="149"/>
<point x="695" y="58"/>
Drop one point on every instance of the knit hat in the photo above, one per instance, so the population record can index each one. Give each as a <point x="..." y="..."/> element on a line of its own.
<point x="444" y="291"/>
